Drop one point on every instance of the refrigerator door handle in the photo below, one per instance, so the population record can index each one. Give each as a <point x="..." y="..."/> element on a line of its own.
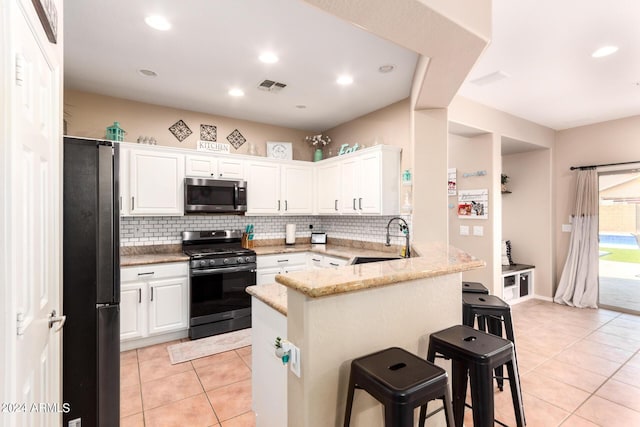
<point x="53" y="319"/>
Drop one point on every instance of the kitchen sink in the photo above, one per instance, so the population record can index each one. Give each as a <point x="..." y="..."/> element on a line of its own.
<point x="367" y="259"/>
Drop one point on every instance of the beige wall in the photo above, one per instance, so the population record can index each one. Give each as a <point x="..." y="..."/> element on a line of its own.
<point x="607" y="142"/>
<point x="89" y="114"/>
<point x="468" y="155"/>
<point x="527" y="214"/>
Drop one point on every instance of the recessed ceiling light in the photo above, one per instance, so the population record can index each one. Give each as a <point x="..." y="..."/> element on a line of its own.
<point x="386" y="68"/>
<point x="344" y="80"/>
<point x="604" y="51"/>
<point x="158" y="22"/>
<point x="236" y="92"/>
<point x="268" y="57"/>
<point x="147" y="73"/>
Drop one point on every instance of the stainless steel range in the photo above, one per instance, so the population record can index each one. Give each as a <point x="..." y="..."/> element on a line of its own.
<point x="220" y="270"/>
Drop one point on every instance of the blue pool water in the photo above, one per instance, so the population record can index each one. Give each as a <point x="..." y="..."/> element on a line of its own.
<point x="618" y="240"/>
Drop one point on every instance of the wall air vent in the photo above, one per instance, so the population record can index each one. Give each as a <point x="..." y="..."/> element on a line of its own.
<point x="271" y="86"/>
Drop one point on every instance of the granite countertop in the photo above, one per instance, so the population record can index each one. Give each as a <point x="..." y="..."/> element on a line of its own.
<point x="340" y="251"/>
<point x="155" y="254"/>
<point x="435" y="259"/>
<point x="273" y="294"/>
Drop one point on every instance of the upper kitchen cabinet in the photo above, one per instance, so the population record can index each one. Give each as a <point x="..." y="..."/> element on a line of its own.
<point x="360" y="183"/>
<point x="214" y="167"/>
<point x="156" y="182"/>
<point x="279" y="189"/>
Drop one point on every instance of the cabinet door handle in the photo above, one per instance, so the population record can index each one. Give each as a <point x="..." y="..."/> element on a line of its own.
<point x="354" y="203"/>
<point x="286" y="205"/>
<point x="139" y="296"/>
<point x="152" y="293"/>
<point x="315" y="259"/>
<point x="360" y="203"/>
<point x="132" y="202"/>
<point x="335" y="205"/>
<point x="146" y="274"/>
<point x="283" y="260"/>
<point x="334" y="264"/>
<point x="278" y="204"/>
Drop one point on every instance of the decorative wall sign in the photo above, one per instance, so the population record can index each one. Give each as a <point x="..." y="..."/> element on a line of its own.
<point x="451" y="181"/>
<point x="344" y="149"/>
<point x="213" y="147"/>
<point x="48" y="15"/>
<point x="236" y="139"/>
<point x="280" y="150"/>
<point x="180" y="130"/>
<point x="473" y="204"/>
<point x="476" y="173"/>
<point x="208" y="133"/>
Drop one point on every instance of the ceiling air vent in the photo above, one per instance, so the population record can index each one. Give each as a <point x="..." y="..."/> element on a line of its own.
<point x="271" y="86"/>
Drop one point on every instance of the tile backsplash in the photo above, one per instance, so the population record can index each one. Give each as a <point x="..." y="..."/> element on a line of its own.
<point x="140" y="231"/>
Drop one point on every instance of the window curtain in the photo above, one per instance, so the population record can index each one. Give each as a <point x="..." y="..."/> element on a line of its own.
<point x="578" y="285"/>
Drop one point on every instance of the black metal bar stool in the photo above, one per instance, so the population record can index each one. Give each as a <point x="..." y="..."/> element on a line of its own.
<point x="401" y="381"/>
<point x="491" y="312"/>
<point x="475" y="354"/>
<point x="474" y="288"/>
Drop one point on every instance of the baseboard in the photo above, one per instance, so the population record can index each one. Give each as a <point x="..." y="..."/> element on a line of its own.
<point x="157" y="339"/>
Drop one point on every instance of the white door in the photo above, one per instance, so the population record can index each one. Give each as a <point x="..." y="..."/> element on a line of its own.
<point x="203" y="166"/>
<point x="133" y="310"/>
<point x="168" y="305"/>
<point x="369" y="184"/>
<point x="263" y="188"/>
<point x="297" y="189"/>
<point x="350" y="173"/>
<point x="30" y="208"/>
<point x="156" y="183"/>
<point x="328" y="189"/>
<point x="230" y="168"/>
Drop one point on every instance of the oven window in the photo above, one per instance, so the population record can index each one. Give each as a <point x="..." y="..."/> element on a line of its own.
<point x="220" y="292"/>
<point x="210" y="195"/>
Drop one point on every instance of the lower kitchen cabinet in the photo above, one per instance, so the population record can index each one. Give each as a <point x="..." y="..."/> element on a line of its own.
<point x="271" y="265"/>
<point x="153" y="300"/>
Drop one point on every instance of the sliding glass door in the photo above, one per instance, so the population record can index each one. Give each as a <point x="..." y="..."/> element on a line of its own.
<point x="619" y="232"/>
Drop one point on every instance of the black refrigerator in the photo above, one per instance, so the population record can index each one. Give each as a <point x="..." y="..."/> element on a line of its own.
<point x="91" y="283"/>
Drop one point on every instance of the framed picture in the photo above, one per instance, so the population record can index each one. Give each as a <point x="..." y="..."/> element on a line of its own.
<point x="280" y="150"/>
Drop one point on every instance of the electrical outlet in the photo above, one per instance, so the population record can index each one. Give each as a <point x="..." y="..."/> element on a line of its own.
<point x="478" y="230"/>
<point x="294" y="360"/>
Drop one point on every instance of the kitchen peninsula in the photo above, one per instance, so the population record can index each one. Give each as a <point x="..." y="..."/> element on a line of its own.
<point x="336" y="315"/>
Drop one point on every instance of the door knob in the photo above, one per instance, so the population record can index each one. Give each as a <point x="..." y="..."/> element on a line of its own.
<point x="53" y="319"/>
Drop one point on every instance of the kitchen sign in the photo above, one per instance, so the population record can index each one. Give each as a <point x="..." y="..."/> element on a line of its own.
<point x="213" y="147"/>
<point x="344" y="149"/>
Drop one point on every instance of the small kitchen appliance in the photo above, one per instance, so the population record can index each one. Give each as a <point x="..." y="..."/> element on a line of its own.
<point x="220" y="270"/>
<point x="205" y="195"/>
<point x="318" y="238"/>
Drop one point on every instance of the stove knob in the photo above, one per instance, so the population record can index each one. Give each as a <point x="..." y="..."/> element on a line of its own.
<point x="212" y="262"/>
<point x="203" y="263"/>
<point x="247" y="259"/>
<point x="240" y="260"/>
<point x="225" y="261"/>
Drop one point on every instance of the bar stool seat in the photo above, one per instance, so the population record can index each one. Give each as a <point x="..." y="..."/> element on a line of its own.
<point x="474" y="354"/>
<point x="474" y="288"/>
<point x="401" y="381"/>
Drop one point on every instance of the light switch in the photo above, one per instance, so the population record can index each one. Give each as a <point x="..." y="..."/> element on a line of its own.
<point x="478" y="230"/>
<point x="566" y="228"/>
<point x="464" y="230"/>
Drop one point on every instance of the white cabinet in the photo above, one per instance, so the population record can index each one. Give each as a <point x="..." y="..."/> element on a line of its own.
<point x="328" y="188"/>
<point x="360" y="183"/>
<point x="153" y="300"/>
<point x="214" y="167"/>
<point x="124" y="181"/>
<point x="317" y="261"/>
<point x="156" y="182"/>
<point x="517" y="282"/>
<point x="269" y="266"/>
<point x="280" y="189"/>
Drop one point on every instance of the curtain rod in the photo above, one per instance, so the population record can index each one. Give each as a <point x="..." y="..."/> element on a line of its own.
<point x="607" y="164"/>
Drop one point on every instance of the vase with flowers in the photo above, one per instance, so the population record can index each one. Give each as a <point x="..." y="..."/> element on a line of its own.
<point x="318" y="142"/>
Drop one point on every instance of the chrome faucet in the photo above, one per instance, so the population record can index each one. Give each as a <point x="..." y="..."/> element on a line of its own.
<point x="404" y="228"/>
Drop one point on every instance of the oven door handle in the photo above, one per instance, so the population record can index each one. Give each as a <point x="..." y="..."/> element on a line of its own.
<point x="210" y="271"/>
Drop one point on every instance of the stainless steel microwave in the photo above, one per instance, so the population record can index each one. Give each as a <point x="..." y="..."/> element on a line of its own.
<point x="203" y="195"/>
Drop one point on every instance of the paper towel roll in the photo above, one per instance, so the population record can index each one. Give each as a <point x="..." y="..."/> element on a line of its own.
<point x="290" y="234"/>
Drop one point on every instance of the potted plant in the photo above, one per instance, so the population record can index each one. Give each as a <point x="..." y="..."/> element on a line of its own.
<point x="503" y="180"/>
